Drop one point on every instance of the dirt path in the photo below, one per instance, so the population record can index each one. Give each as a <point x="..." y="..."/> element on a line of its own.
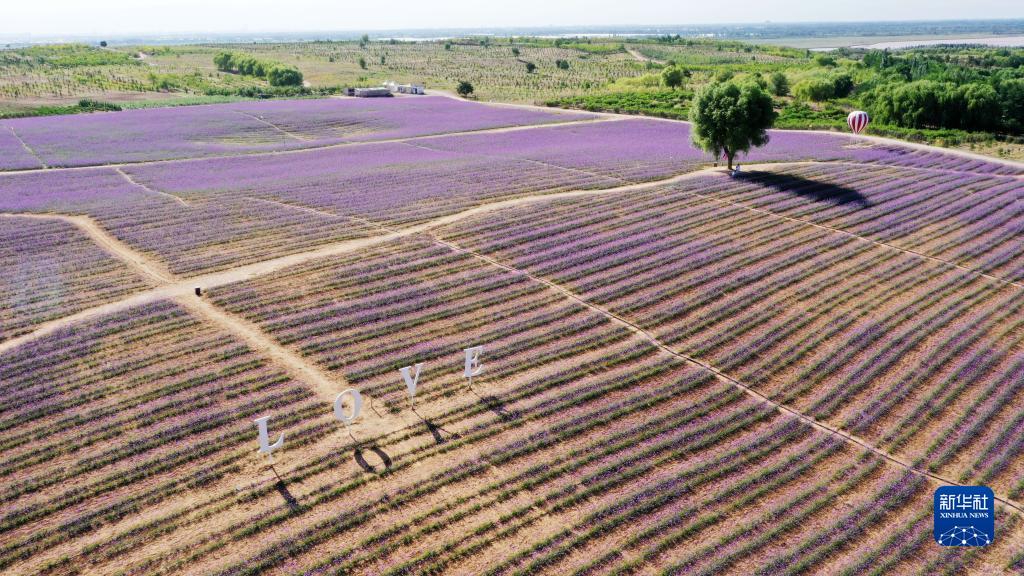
<point x="134" y="182"/>
<point x="724" y="377"/>
<point x="27" y="147"/>
<point x="272" y="125"/>
<point x="173" y="288"/>
<point x="641" y="58"/>
<point x="325" y="385"/>
<point x="148" y="267"/>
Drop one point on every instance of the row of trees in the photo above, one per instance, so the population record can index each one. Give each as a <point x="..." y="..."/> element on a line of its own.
<point x="972" y="106"/>
<point x="273" y="72"/>
<point x="968" y="88"/>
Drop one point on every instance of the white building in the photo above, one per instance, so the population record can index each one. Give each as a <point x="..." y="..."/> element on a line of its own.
<point x="411" y="89"/>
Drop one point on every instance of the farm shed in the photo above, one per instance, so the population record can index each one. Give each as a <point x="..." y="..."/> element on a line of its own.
<point x="372" y="92"/>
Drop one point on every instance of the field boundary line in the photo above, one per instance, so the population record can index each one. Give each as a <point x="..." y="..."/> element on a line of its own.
<point x="639" y="57"/>
<point x="177" y="290"/>
<point x="326" y="387"/>
<point x="272" y="125"/>
<point x="179" y="287"/>
<point x="29" y="149"/>
<point x="644" y="333"/>
<point x="134" y="182"/>
<point x="108" y="243"/>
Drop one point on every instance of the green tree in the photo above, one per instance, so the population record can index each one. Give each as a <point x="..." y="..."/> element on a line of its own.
<point x="815" y="89"/>
<point x="823" y="60"/>
<point x="530" y="67"/>
<point x="1011" y="96"/>
<point x="103" y="43"/>
<point x="464" y="88"/>
<point x="728" y="119"/>
<point x="515" y="51"/>
<point x="779" y="84"/>
<point x="842" y="85"/>
<point x="672" y="77"/>
<point x="284" y="76"/>
<point x="362" y="63"/>
<point x="224" y="61"/>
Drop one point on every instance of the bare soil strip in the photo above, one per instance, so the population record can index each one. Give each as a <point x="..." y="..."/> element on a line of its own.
<point x="148" y="267"/>
<point x="172" y="287"/>
<point x="821" y="426"/>
<point x="274" y="126"/>
<point x="641" y="58"/>
<point x="28" y="148"/>
<point x="326" y="386"/>
<point x="133" y="182"/>
<point x="305" y="209"/>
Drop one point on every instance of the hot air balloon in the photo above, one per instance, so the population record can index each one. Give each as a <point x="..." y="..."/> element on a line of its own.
<point x="858" y="121"/>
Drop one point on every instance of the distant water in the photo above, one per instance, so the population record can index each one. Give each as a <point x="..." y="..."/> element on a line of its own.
<point x="1005" y="41"/>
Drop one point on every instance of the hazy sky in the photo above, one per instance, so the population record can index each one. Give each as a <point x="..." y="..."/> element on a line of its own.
<point x="90" y="17"/>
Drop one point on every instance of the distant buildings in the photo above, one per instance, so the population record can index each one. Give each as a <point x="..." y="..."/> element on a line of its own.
<point x="389" y="88"/>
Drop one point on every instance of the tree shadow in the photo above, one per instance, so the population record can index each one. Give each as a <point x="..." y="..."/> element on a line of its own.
<point x="361" y="460"/>
<point x="805" y="187"/>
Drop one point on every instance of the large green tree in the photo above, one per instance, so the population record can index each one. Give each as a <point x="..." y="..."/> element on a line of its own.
<point x="728" y="118"/>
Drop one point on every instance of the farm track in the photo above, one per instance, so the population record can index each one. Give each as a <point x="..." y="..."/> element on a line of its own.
<point x="27" y="147"/>
<point x="274" y="126"/>
<point x="326" y="386"/>
<point x="134" y="182"/>
<point x="822" y="426"/>
<point x="173" y="287"/>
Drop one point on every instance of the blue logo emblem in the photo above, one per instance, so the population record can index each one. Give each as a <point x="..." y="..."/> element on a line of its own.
<point x="965" y="516"/>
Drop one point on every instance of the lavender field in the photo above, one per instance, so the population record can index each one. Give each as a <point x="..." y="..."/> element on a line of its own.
<point x="226" y="129"/>
<point x="685" y="371"/>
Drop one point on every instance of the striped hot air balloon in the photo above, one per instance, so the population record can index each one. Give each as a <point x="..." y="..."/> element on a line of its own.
<point x="858" y="121"/>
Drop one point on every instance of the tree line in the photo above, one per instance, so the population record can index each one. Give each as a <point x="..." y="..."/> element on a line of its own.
<point x="275" y="73"/>
<point x="966" y="89"/>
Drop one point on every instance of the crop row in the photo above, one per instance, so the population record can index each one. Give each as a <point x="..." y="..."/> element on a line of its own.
<point x="335" y="299"/>
<point x="50" y="270"/>
<point x="95" y="414"/>
<point x="896" y="347"/>
<point x="576" y="433"/>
